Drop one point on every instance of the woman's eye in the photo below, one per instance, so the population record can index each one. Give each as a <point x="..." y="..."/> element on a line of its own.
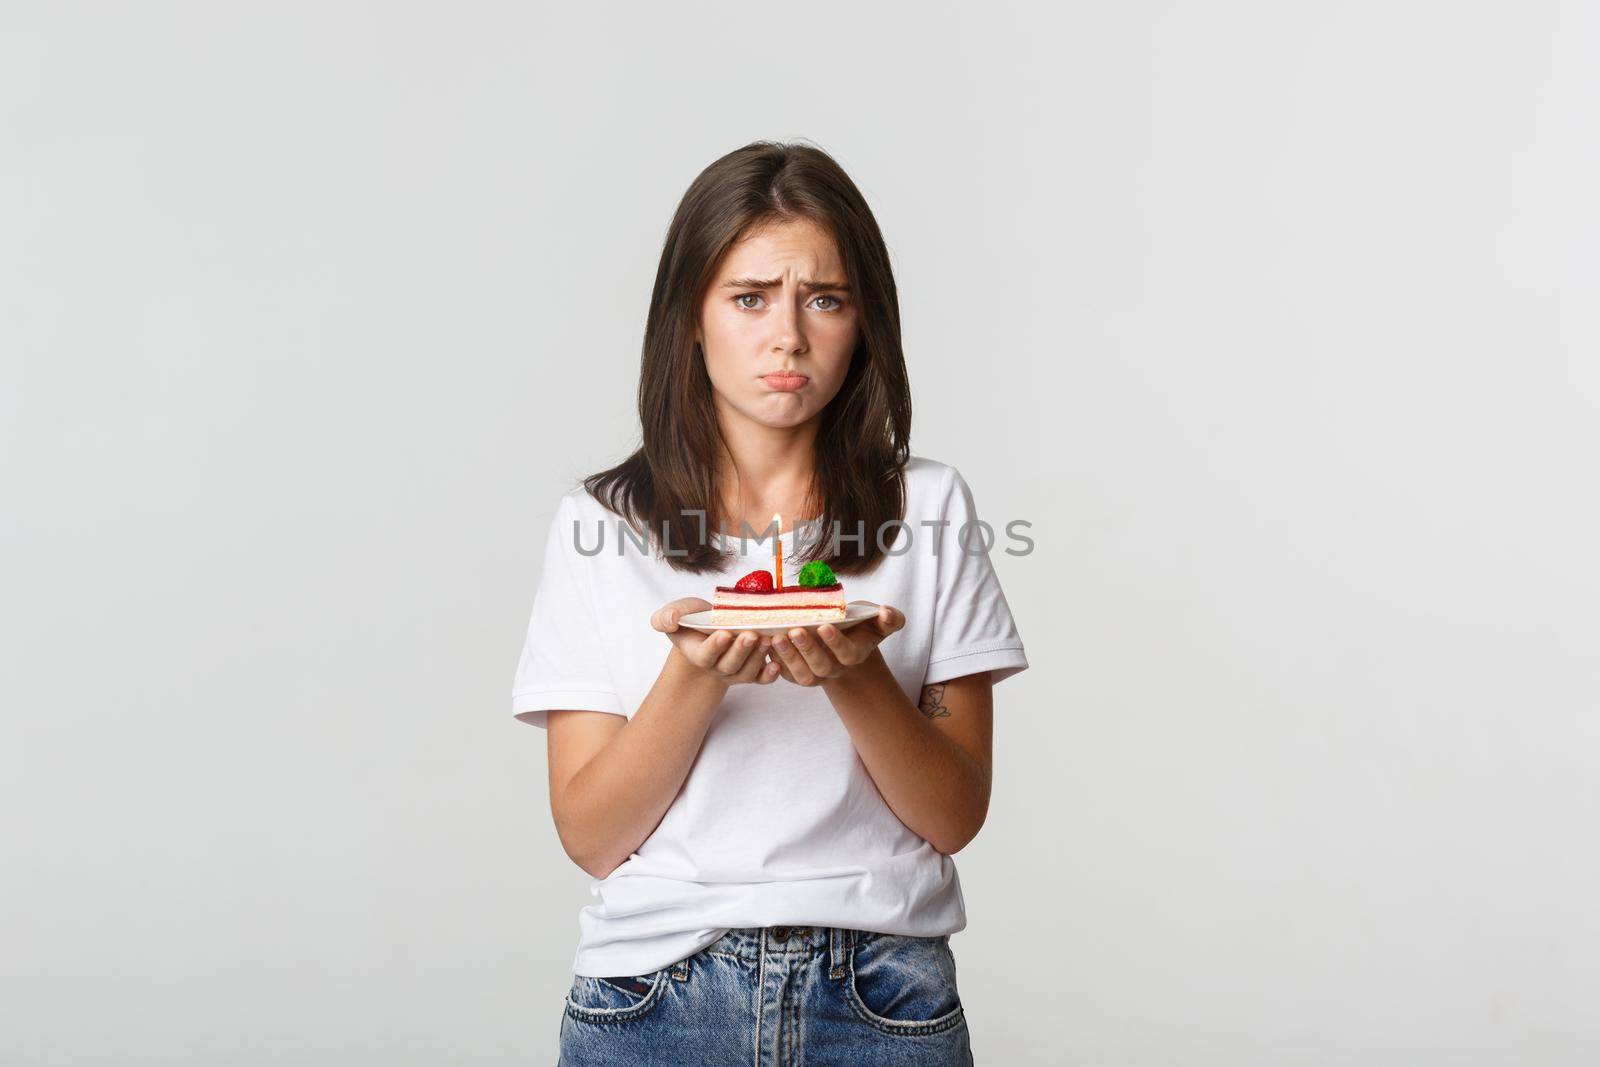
<point x="739" y="302"/>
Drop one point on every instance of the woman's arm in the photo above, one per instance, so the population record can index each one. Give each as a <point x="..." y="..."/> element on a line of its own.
<point x="612" y="779"/>
<point x="931" y="762"/>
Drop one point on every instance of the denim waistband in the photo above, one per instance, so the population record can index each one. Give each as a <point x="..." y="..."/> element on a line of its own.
<point x="750" y="942"/>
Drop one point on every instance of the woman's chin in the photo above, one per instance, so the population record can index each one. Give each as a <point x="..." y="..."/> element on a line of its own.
<point x="782" y="410"/>
<point x="785" y="424"/>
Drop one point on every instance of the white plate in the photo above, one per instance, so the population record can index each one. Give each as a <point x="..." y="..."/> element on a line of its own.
<point x="854" y="612"/>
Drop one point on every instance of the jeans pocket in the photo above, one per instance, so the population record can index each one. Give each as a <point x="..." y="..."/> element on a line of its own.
<point x="904" y="985"/>
<point x="614" y="1000"/>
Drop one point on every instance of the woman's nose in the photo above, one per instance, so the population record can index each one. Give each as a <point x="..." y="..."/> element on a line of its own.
<point x="790" y="337"/>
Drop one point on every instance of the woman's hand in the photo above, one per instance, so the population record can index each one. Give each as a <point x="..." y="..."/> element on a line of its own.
<point x="730" y="658"/>
<point x="812" y="657"/>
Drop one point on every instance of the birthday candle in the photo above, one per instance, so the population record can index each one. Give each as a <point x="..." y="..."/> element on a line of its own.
<point x="777" y="553"/>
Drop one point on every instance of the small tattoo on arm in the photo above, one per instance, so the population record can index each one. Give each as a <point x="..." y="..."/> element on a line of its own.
<point x="932" y="703"/>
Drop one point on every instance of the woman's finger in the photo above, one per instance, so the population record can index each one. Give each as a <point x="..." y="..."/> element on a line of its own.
<point x="706" y="654"/>
<point x="889" y="620"/>
<point x="765" y="671"/>
<point x="754" y="663"/>
<point x="818" y="660"/>
<point x="798" y="671"/>
<point x="666" y="617"/>
<point x="737" y="652"/>
<point x="844" y="649"/>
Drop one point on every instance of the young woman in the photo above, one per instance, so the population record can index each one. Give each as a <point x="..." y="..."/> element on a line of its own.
<point x="769" y="823"/>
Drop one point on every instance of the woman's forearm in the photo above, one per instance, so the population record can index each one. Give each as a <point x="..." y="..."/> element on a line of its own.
<point x="616" y="800"/>
<point x="935" y="787"/>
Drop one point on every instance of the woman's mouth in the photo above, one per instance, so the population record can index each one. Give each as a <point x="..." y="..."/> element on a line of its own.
<point x="785" y="381"/>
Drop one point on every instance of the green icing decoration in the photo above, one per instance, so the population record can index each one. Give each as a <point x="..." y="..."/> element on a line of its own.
<point x="817" y="573"/>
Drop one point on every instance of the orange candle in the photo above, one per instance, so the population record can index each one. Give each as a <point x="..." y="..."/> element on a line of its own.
<point x="777" y="553"/>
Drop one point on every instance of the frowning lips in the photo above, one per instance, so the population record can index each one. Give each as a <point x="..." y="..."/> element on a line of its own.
<point x="785" y="379"/>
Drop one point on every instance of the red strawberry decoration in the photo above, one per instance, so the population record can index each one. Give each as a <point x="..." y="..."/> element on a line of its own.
<point x="755" y="582"/>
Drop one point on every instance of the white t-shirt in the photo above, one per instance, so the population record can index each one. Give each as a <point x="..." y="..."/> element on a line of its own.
<point x="778" y="821"/>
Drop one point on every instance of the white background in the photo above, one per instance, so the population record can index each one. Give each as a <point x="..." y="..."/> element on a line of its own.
<point x="1276" y="320"/>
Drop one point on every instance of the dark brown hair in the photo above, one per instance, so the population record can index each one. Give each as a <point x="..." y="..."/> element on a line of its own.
<point x="864" y="434"/>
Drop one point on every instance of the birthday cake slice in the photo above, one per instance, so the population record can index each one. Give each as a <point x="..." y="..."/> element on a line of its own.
<point x="755" y="601"/>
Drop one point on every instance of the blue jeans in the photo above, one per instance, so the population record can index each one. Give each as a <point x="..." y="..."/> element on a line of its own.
<point x="775" y="997"/>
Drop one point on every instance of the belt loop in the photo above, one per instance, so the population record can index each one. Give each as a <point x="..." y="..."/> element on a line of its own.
<point x="839" y="942"/>
<point x="680" y="970"/>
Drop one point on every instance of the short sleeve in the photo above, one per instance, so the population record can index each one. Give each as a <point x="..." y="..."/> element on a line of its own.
<point x="562" y="666"/>
<point x="973" y="630"/>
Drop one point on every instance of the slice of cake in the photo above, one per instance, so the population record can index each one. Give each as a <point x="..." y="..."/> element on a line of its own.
<point x="754" y="601"/>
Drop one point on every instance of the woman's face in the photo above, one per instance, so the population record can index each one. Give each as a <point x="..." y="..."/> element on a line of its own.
<point x="778" y="326"/>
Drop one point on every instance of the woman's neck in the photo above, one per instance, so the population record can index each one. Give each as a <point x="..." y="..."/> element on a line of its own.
<point x="767" y="471"/>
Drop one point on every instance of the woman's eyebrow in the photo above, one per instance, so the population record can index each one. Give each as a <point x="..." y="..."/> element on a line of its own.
<point x="773" y="283"/>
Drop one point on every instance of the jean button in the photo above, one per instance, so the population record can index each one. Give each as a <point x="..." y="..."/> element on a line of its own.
<point x="780" y="933"/>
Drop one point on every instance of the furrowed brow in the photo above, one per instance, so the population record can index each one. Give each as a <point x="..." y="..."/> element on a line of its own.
<point x="774" y="283"/>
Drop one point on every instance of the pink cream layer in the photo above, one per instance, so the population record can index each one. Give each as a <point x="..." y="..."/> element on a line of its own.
<point x="792" y="603"/>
